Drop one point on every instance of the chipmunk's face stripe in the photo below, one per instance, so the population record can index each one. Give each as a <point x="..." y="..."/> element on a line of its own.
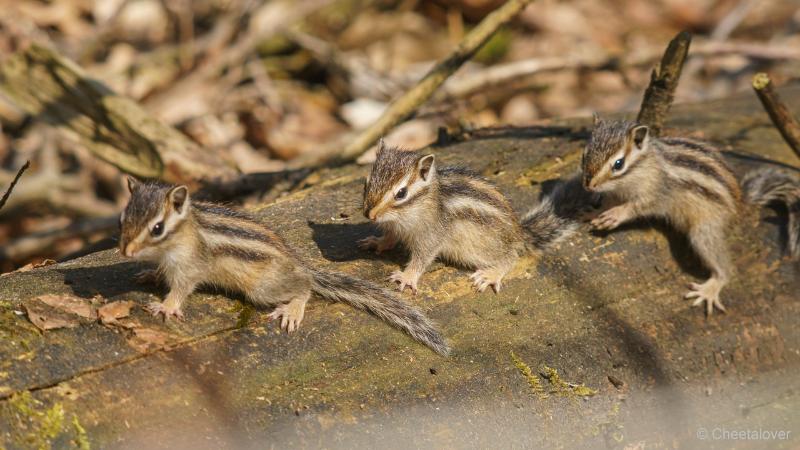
<point x="404" y="191"/>
<point x="140" y="217"/>
<point x="614" y="150"/>
<point x="608" y="139"/>
<point x="388" y="200"/>
<point x="391" y="167"/>
<point x="419" y="193"/>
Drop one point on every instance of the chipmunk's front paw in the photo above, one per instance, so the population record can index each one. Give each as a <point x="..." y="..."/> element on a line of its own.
<point x="149" y="276"/>
<point x="379" y="244"/>
<point x="611" y="218"/>
<point x="404" y="280"/>
<point x="707" y="293"/>
<point x="291" y="314"/>
<point x="156" y="308"/>
<point x="487" y="277"/>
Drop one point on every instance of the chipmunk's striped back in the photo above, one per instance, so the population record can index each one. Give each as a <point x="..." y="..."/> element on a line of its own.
<point x="684" y="181"/>
<point x="236" y="234"/>
<point x="622" y="159"/>
<point x="698" y="163"/>
<point x="203" y="243"/>
<point x="451" y="213"/>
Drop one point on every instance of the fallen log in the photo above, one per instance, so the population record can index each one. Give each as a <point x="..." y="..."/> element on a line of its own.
<point x="602" y="312"/>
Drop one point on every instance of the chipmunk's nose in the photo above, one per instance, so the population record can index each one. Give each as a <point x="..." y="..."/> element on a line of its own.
<point x="371" y="214"/>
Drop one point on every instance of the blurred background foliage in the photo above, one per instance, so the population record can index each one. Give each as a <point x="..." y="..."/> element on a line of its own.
<point x="266" y="82"/>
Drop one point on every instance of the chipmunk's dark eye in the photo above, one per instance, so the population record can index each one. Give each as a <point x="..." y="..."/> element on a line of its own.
<point x="401" y="194"/>
<point x="619" y="164"/>
<point x="158" y="229"/>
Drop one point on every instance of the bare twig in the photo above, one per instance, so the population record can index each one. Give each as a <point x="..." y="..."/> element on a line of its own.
<point x="732" y="20"/>
<point x="501" y="74"/>
<point x="268" y="20"/>
<point x="783" y="119"/>
<point x="13" y="183"/>
<point x="69" y="193"/>
<point x="753" y="50"/>
<point x="663" y="81"/>
<point x="403" y="106"/>
<point x="364" y="80"/>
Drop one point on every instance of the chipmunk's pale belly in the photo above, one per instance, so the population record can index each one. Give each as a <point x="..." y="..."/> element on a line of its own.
<point x="475" y="245"/>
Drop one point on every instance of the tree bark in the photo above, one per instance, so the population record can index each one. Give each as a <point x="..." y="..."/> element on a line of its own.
<point x="114" y="128"/>
<point x="783" y="119"/>
<point x="663" y="81"/>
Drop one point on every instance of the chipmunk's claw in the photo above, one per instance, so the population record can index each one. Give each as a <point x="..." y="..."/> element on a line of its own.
<point x="149" y="276"/>
<point x="379" y="244"/>
<point x="404" y="280"/>
<point x="484" y="278"/>
<point x="609" y="219"/>
<point x="156" y="308"/>
<point x="291" y="314"/>
<point x="707" y="293"/>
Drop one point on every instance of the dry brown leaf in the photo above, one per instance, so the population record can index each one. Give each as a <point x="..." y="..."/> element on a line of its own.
<point x="128" y="323"/>
<point x="45" y="320"/>
<point x="70" y="304"/>
<point x="110" y="312"/>
<point x="30" y="266"/>
<point x="148" y="339"/>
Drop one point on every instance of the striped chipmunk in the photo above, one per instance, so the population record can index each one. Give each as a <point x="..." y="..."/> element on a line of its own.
<point x="453" y="214"/>
<point x="196" y="243"/>
<point x="687" y="183"/>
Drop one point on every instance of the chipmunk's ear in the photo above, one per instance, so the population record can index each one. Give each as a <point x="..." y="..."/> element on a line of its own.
<point x="425" y="166"/>
<point x="639" y="135"/>
<point x="178" y="198"/>
<point x="595" y="119"/>
<point x="133" y="183"/>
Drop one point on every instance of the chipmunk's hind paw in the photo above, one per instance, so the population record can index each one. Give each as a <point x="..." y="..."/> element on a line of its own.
<point x="291" y="314"/>
<point x="157" y="308"/>
<point x="707" y="293"/>
<point x="404" y="280"/>
<point x="484" y="278"/>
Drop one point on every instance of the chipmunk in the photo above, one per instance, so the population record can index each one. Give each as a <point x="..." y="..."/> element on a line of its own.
<point x="684" y="181"/>
<point x="197" y="243"/>
<point x="454" y="214"/>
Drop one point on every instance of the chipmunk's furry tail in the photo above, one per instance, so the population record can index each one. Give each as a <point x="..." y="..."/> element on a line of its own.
<point x="764" y="186"/>
<point x="383" y="303"/>
<point x="556" y="216"/>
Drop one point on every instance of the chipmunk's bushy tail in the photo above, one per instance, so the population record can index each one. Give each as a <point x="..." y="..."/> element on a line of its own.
<point x="381" y="302"/>
<point x="556" y="216"/>
<point x="764" y="186"/>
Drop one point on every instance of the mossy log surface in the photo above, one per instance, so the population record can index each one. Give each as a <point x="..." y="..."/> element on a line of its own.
<point x="606" y="311"/>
